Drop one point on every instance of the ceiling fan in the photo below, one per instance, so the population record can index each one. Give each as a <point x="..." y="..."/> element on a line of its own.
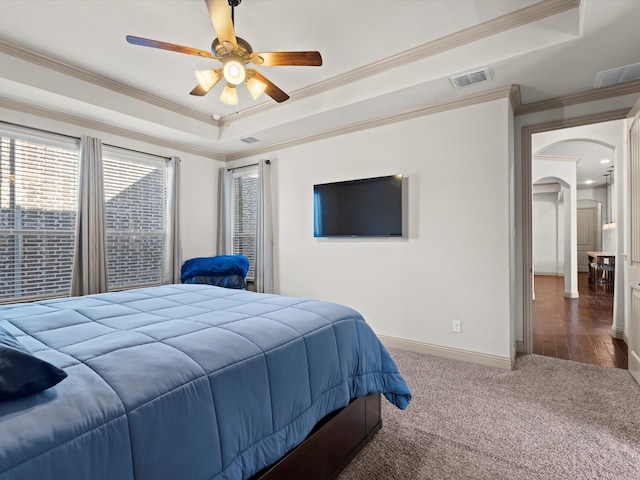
<point x="234" y="53"/>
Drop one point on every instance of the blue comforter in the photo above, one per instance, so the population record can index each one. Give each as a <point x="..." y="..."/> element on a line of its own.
<point x="183" y="381"/>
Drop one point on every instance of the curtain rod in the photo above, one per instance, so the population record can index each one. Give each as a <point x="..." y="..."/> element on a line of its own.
<point x="135" y="151"/>
<point x="42" y="130"/>
<point x="79" y="138"/>
<point x="268" y="162"/>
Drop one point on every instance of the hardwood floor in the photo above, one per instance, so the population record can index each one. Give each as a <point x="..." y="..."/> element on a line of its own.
<point x="576" y="328"/>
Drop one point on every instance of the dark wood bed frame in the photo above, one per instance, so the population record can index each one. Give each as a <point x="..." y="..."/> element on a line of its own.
<point x="331" y="445"/>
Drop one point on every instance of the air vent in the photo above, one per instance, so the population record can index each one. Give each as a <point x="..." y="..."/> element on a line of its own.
<point x="618" y="75"/>
<point x="250" y="139"/>
<point x="470" y="78"/>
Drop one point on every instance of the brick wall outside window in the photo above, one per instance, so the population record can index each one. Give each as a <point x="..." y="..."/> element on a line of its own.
<point x="38" y="202"/>
<point x="38" y="205"/>
<point x="135" y="211"/>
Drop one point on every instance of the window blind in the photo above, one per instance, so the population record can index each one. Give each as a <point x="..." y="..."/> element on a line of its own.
<point x="135" y="209"/>
<point x="245" y="216"/>
<point x="38" y="204"/>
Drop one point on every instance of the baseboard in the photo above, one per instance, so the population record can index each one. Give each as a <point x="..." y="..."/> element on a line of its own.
<point x="634" y="365"/>
<point x="617" y="332"/>
<point x="571" y="294"/>
<point x="504" y="363"/>
<point x="550" y="274"/>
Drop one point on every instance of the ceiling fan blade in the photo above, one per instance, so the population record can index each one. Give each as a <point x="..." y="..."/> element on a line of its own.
<point x="145" y="42"/>
<point x="198" y="91"/>
<point x="272" y="59"/>
<point x="222" y="22"/>
<point x="272" y="90"/>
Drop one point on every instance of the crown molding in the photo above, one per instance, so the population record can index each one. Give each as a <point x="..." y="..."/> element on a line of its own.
<point x="557" y="158"/>
<point x="515" y="98"/>
<point x="633" y="113"/>
<point x="509" y="21"/>
<point x="578" y="98"/>
<point x="103" y="127"/>
<point x="480" y="97"/>
<point x="532" y="13"/>
<point x="600" y="117"/>
<point x="100" y="80"/>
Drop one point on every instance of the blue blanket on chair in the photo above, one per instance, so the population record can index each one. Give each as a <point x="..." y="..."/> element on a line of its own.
<point x="215" y="266"/>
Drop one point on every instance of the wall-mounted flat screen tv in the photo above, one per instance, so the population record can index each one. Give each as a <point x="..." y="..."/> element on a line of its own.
<point x="367" y="207"/>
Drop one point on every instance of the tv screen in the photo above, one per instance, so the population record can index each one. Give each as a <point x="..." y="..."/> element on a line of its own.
<point x="368" y="207"/>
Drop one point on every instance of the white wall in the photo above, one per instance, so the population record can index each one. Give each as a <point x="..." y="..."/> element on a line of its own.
<point x="545" y="234"/>
<point x="548" y="258"/>
<point x="198" y="205"/>
<point x="454" y="263"/>
<point x="563" y="171"/>
<point x="595" y="194"/>
<point x="198" y="180"/>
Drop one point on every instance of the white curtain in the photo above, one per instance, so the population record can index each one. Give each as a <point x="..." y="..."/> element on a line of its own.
<point x="225" y="190"/>
<point x="172" y="247"/>
<point x="90" y="257"/>
<point x="264" y="230"/>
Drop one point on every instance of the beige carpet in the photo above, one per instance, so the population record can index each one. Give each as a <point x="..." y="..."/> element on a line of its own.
<point x="548" y="419"/>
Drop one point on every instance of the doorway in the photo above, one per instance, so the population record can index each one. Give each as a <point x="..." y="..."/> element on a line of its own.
<point x="587" y="235"/>
<point x="560" y="304"/>
<point x="577" y="329"/>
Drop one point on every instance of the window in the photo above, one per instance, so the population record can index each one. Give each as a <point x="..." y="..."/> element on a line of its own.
<point x="38" y="204"/>
<point x="135" y="189"/>
<point x="38" y="210"/>
<point x="245" y="216"/>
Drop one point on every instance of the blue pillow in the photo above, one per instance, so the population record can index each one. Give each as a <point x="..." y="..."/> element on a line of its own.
<point x="21" y="373"/>
<point x="215" y="266"/>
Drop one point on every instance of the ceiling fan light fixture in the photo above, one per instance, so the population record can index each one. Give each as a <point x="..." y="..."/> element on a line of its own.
<point x="255" y="87"/>
<point x="206" y="79"/>
<point x="229" y="95"/>
<point x="234" y="72"/>
<point x="234" y="53"/>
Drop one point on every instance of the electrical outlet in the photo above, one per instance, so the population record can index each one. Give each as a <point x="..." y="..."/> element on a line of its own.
<point x="457" y="326"/>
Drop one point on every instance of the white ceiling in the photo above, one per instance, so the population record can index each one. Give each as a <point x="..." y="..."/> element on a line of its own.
<point x="380" y="58"/>
<point x="595" y="148"/>
<point x="589" y="154"/>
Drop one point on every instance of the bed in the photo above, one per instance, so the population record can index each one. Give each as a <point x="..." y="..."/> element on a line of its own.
<point x="192" y="381"/>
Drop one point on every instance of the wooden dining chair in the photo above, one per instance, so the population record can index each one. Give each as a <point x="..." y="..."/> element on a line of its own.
<point x="602" y="271"/>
